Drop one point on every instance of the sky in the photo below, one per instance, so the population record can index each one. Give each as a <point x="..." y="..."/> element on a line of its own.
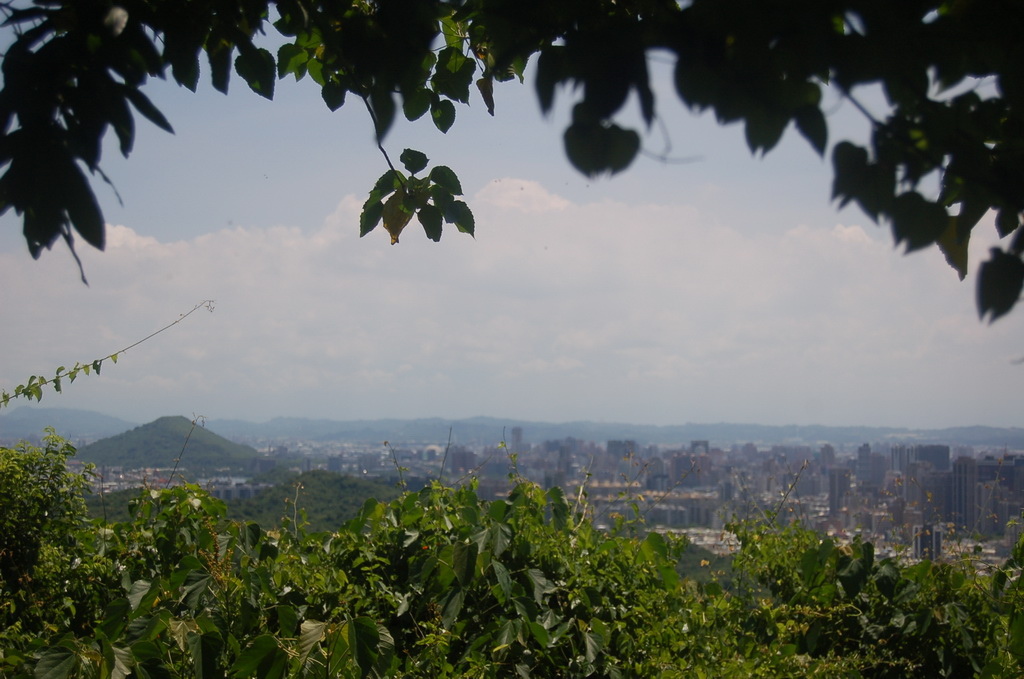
<point x="712" y="287"/>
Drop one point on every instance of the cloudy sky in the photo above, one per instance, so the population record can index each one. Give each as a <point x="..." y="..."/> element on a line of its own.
<point x="714" y="287"/>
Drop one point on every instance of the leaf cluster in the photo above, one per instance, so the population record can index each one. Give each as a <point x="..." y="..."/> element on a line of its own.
<point x="949" y="70"/>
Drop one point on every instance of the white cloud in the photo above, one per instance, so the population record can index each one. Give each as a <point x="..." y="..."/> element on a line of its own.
<point x="556" y="310"/>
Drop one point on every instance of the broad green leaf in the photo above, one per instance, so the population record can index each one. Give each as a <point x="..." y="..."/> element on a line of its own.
<point x="311" y="633"/>
<point x="453" y="74"/>
<point x="501" y="574"/>
<point x="291" y="58"/>
<point x="451" y="606"/>
<point x="416" y="103"/>
<point x="413" y="160"/>
<point x="363" y="638"/>
<point x="431" y="218"/>
<point x="444" y="176"/>
<point x="256" y="66"/>
<point x="55" y="662"/>
<point x="443" y="114"/>
<point x="464" y="562"/>
<point x="205" y="649"/>
<point x="458" y="213"/>
<point x="256" y="653"/>
<point x="370" y="216"/>
<point x="333" y="95"/>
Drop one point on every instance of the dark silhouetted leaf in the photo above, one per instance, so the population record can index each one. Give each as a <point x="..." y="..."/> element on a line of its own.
<point x="416" y="103"/>
<point x="458" y="213"/>
<point x="486" y="87"/>
<point x="443" y="114"/>
<point x="594" y="149"/>
<point x="955" y="248"/>
<point x="256" y="66"/>
<point x="333" y="95"/>
<point x="811" y="123"/>
<point x="144" y="106"/>
<point x="370" y="216"/>
<point x="430" y="217"/>
<point x="1000" y="280"/>
<point x="916" y="221"/>
<point x="83" y="210"/>
<point x="413" y="160"/>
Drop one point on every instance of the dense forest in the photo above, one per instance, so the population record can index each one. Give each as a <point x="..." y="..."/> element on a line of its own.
<point x="438" y="583"/>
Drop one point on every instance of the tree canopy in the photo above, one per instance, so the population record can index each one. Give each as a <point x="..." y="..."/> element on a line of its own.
<point x="949" y="150"/>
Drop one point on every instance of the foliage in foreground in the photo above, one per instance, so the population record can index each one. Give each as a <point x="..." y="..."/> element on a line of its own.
<point x="438" y="583"/>
<point x="944" y="149"/>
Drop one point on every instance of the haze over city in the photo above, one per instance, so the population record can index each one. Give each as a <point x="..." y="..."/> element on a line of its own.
<point x="723" y="288"/>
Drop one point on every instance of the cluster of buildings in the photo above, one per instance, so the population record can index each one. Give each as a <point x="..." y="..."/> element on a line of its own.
<point x="923" y="500"/>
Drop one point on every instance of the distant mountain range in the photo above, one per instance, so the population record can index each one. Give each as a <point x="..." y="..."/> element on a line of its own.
<point x="78" y="425"/>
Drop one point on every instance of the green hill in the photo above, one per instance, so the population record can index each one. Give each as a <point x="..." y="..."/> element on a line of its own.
<point x="161" y="442"/>
<point x="328" y="499"/>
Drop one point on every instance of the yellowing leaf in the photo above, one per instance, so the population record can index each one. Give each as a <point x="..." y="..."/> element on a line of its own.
<point x="395" y="214"/>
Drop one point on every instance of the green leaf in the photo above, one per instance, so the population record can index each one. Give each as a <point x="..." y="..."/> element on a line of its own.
<point x="416" y="103"/>
<point x="310" y="635"/>
<point x="458" y="213"/>
<point x="370" y="216"/>
<point x="443" y="114"/>
<point x="256" y="66"/>
<point x="451" y="606"/>
<point x="444" y="176"/>
<point x="501" y="574"/>
<point x="363" y="637"/>
<point x="259" y="651"/>
<point x="205" y="650"/>
<point x="291" y="58"/>
<point x="464" y="562"/>
<point x="1000" y="281"/>
<point x="430" y="217"/>
<point x="413" y="160"/>
<point x="333" y="95"/>
<point x="55" y="662"/>
<point x="453" y="74"/>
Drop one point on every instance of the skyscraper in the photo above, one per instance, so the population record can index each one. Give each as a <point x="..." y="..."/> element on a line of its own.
<point x="964" y="499"/>
<point x="838" y="489"/>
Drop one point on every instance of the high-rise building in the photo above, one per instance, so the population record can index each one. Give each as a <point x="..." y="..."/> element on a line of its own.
<point x="964" y="493"/>
<point x="517" y="439"/>
<point x="936" y="456"/>
<point x="838" y="489"/>
<point x="828" y="456"/>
